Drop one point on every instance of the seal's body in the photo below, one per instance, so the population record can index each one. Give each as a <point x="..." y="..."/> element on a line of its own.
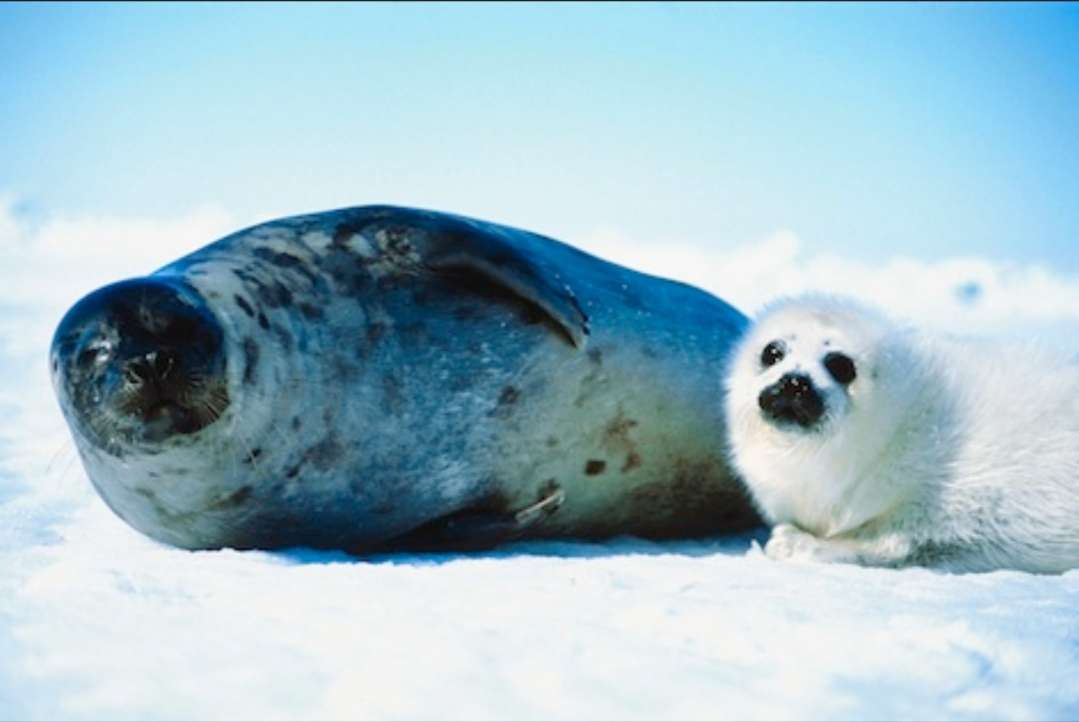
<point x="867" y="441"/>
<point x="385" y="377"/>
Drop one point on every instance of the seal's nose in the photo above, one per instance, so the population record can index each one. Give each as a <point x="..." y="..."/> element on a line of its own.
<point x="792" y="398"/>
<point x="142" y="359"/>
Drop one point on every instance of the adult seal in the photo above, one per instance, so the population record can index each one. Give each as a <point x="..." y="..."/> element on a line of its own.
<point x="381" y="377"/>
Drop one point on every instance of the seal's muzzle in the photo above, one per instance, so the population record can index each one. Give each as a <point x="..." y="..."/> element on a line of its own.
<point x="140" y="361"/>
<point x="792" y="399"/>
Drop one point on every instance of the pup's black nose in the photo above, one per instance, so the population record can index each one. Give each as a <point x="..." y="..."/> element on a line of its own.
<point x="793" y="398"/>
<point x="140" y="360"/>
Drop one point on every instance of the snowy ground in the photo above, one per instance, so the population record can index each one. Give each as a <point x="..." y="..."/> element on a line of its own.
<point x="99" y="622"/>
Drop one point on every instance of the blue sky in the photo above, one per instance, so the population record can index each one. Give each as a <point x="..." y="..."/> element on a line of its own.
<point x="869" y="130"/>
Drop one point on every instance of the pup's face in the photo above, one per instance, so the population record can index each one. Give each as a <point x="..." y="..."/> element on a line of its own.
<point x="804" y="378"/>
<point x="816" y="393"/>
<point x="803" y="368"/>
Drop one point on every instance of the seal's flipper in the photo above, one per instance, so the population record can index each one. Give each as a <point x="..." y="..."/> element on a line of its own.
<point x="489" y="254"/>
<point x="471" y="529"/>
<point x="409" y="239"/>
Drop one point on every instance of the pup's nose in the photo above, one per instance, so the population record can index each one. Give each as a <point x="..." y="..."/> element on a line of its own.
<point x="792" y="398"/>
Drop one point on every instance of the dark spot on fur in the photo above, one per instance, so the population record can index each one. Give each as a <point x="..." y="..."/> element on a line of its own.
<point x="594" y="466"/>
<point x="343" y="368"/>
<point x="244" y="306"/>
<point x="595" y="356"/>
<point x="392" y="398"/>
<point x="343" y="232"/>
<point x="375" y="331"/>
<point x="291" y="473"/>
<point x="275" y="295"/>
<point x="163" y="512"/>
<point x="251" y="359"/>
<point x="296" y="423"/>
<point x="509" y="395"/>
<point x="617" y="429"/>
<point x="649" y="352"/>
<point x="325" y="454"/>
<point x="633" y="460"/>
<point x="282" y="259"/>
<point x="244" y="276"/>
<point x="233" y="500"/>
<point x="263" y="321"/>
<point x="416" y="330"/>
<point x="310" y="311"/>
<point x="283" y="337"/>
<point x="506" y="400"/>
<point x="551" y="442"/>
<point x="253" y="456"/>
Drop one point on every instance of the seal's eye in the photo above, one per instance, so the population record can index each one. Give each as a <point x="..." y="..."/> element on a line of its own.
<point x="841" y="367"/>
<point x="773" y="353"/>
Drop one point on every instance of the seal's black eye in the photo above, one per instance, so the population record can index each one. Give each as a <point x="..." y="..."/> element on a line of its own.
<point x="773" y="353"/>
<point x="841" y="367"/>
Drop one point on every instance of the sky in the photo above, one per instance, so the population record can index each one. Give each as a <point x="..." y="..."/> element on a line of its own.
<point x="870" y="131"/>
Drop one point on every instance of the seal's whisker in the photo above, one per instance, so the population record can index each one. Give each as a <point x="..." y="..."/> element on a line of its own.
<point x="66" y="445"/>
<point x="67" y="469"/>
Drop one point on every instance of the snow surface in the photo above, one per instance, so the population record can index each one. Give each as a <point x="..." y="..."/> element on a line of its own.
<point x="99" y="622"/>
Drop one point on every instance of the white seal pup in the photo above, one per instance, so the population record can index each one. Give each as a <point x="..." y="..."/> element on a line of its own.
<point x="871" y="442"/>
<point x="382" y="378"/>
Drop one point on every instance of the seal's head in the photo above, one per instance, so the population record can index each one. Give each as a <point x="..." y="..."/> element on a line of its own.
<point x="815" y="391"/>
<point x="138" y="364"/>
<point x="803" y="365"/>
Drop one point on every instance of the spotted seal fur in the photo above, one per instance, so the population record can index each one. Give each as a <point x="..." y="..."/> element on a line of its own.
<point x="383" y="377"/>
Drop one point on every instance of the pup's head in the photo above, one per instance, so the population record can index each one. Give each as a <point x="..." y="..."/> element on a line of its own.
<point x="814" y="370"/>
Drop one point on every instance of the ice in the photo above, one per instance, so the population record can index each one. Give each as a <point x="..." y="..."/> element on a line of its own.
<point x="97" y="621"/>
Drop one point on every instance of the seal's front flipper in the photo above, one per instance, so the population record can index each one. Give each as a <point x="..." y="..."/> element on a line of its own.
<point x="500" y="255"/>
<point x="406" y="240"/>
<point x="473" y="529"/>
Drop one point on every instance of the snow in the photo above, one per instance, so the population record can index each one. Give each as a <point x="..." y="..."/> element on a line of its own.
<point x="97" y="621"/>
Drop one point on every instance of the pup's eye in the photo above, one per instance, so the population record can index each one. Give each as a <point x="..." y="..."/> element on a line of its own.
<point x="773" y="353"/>
<point x="841" y="367"/>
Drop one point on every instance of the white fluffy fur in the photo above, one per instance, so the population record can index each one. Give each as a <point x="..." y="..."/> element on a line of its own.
<point x="961" y="454"/>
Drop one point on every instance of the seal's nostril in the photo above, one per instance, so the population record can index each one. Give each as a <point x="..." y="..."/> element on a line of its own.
<point x="164" y="363"/>
<point x="795" y="385"/>
<point x="132" y="374"/>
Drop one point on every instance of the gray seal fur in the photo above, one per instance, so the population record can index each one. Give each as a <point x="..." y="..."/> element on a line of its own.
<point x="382" y="377"/>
